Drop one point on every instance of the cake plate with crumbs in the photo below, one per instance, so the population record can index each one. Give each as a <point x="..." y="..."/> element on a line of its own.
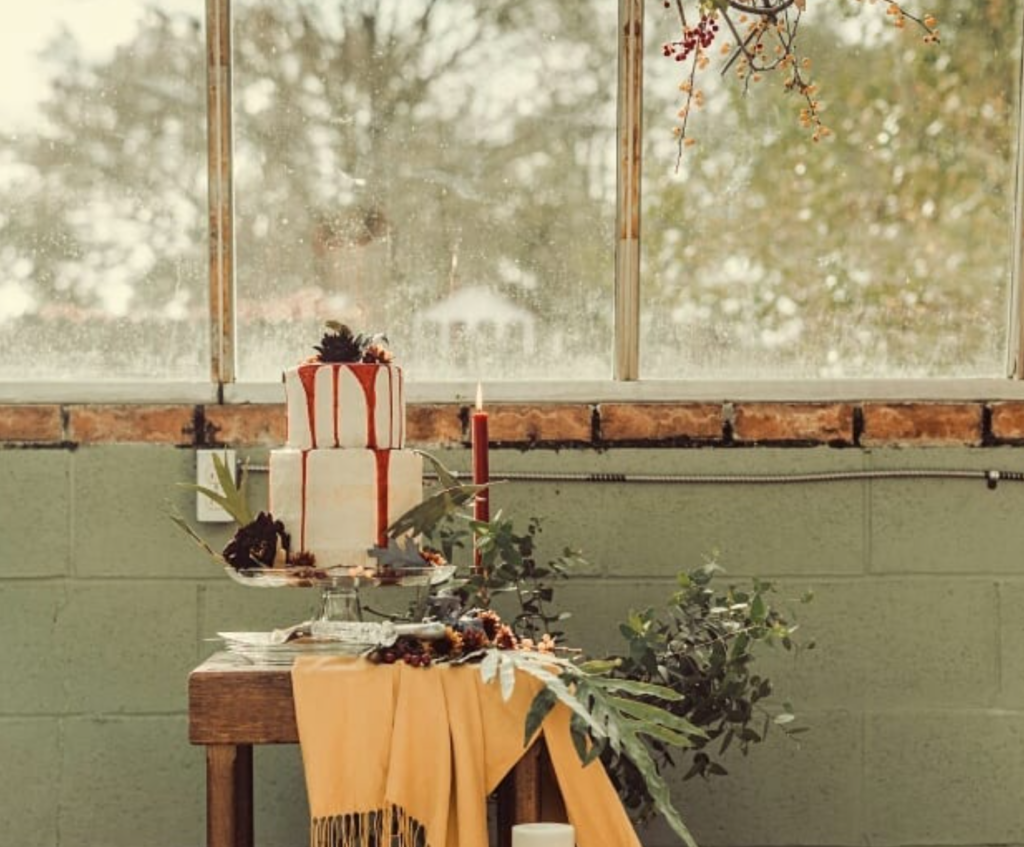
<point x="338" y="626"/>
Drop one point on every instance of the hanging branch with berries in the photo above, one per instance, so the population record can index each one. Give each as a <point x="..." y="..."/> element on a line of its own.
<point x="761" y="38"/>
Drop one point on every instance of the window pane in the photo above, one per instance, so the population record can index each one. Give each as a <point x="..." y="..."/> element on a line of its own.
<point x="884" y="250"/>
<point x="442" y="171"/>
<point x="103" y="270"/>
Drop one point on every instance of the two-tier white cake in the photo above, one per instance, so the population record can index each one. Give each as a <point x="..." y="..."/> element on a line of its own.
<point x="344" y="475"/>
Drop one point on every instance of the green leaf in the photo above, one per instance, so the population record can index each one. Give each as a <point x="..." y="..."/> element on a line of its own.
<point x="240" y="514"/>
<point x="236" y="494"/>
<point x="640" y="689"/>
<point x="489" y="666"/>
<point x="541" y="706"/>
<point x="580" y="739"/>
<point x="656" y="715"/>
<point x="507" y="677"/>
<point x="758" y="609"/>
<point x="444" y="476"/>
<point x="600" y="666"/>
<point x="657" y="788"/>
<point x="669" y="736"/>
<point x="586" y="748"/>
<point x="740" y="647"/>
<point x="605" y="715"/>
<point x="422" y="518"/>
<point x="233" y="500"/>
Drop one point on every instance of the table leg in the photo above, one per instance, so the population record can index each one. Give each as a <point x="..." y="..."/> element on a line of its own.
<point x="519" y="799"/>
<point x="229" y="795"/>
<point x="244" y="836"/>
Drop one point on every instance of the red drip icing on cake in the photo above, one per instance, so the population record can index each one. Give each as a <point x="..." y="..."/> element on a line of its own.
<point x="391" y="409"/>
<point x="334" y="416"/>
<point x="401" y="405"/>
<point x="366" y="376"/>
<point x="305" y="479"/>
<point x="383" y="460"/>
<point x="307" y="375"/>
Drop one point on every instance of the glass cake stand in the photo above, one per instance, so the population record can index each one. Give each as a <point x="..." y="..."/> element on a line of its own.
<point x="339" y="586"/>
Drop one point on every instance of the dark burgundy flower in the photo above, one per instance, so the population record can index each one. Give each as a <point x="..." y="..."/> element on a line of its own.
<point x="256" y="544"/>
<point x="491" y="624"/>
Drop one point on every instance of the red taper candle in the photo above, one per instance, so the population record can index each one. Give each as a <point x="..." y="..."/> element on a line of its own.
<point x="481" y="469"/>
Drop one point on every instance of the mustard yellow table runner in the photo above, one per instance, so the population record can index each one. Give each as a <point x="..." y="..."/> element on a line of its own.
<point x="390" y="748"/>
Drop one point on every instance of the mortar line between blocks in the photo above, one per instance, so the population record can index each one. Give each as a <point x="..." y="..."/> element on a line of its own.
<point x="69" y="564"/>
<point x="867" y="497"/>
<point x="863" y="798"/>
<point x="200" y="610"/>
<point x="61" y="762"/>
<point x="998" y="637"/>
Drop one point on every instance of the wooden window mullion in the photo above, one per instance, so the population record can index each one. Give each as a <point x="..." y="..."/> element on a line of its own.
<point x="221" y="191"/>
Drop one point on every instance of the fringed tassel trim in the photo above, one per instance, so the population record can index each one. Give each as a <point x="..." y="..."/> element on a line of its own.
<point x="388" y="827"/>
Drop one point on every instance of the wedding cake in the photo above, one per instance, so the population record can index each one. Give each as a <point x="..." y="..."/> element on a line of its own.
<point x="343" y="475"/>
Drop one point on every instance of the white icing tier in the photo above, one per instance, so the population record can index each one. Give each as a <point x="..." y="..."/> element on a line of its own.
<point x="345" y="405"/>
<point x="337" y="504"/>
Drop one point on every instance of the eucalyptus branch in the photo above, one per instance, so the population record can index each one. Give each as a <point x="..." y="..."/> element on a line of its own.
<point x="730" y="636"/>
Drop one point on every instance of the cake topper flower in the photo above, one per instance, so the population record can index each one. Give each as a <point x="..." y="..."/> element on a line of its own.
<point x="340" y="345"/>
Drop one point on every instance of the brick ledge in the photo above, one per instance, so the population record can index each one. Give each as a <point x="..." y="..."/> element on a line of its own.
<point x="680" y="424"/>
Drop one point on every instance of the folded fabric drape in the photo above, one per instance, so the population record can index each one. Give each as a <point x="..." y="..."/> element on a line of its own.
<point x="415" y="752"/>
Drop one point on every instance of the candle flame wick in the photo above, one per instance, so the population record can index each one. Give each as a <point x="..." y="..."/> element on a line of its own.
<point x="479" y="397"/>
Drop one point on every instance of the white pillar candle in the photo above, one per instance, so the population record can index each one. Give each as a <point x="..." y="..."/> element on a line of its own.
<point x="543" y="835"/>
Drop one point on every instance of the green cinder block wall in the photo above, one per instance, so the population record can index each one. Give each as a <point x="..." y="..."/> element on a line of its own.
<point x="915" y="692"/>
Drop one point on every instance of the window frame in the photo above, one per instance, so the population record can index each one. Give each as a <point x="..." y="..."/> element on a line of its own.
<point x="625" y="383"/>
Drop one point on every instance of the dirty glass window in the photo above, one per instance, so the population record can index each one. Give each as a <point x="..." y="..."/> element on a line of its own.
<point x="884" y="249"/>
<point x="444" y="172"/>
<point x="103" y="270"/>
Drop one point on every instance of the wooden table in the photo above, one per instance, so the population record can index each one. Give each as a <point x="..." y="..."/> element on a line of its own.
<point x="233" y="704"/>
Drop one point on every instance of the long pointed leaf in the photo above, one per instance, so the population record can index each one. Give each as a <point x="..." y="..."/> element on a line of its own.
<point x="507" y="678"/>
<point x="599" y="666"/>
<point x="444" y="476"/>
<point x="586" y="748"/>
<point x="489" y="666"/>
<point x="196" y="537"/>
<point x="241" y="517"/>
<point x="656" y="715"/>
<point x="657" y="788"/>
<point x="422" y="518"/>
<point x="640" y="689"/>
<point x="542" y="704"/>
<point x="234" y="493"/>
<point x="669" y="736"/>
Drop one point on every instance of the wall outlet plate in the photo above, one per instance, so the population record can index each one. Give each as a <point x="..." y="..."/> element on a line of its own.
<point x="206" y="475"/>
